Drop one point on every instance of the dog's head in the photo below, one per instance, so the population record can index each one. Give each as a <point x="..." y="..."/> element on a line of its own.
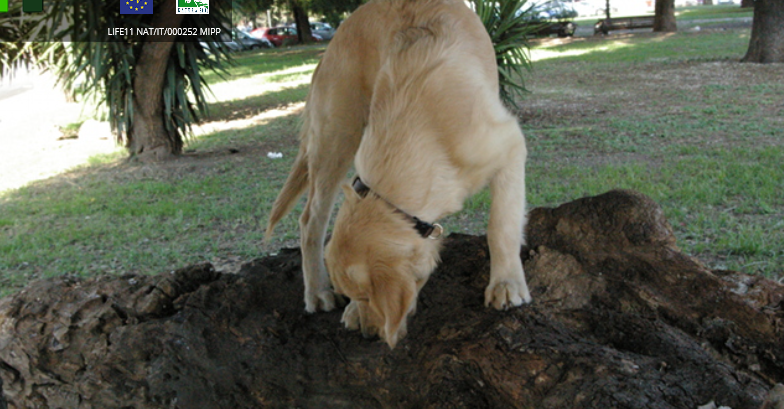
<point x="376" y="258"/>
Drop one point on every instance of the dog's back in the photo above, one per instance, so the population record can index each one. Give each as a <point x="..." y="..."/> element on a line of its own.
<point x="436" y="120"/>
<point x="380" y="33"/>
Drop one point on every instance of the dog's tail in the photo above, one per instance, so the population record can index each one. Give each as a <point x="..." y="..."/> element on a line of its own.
<point x="292" y="190"/>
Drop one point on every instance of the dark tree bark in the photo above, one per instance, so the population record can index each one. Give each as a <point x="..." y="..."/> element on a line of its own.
<point x="620" y="319"/>
<point x="148" y="138"/>
<point x="767" y="33"/>
<point x="607" y="9"/>
<point x="707" y="2"/>
<point x="3" y="403"/>
<point x="304" y="34"/>
<point x="664" y="19"/>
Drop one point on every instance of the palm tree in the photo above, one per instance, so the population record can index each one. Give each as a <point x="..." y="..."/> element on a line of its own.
<point x="151" y="82"/>
<point x="152" y="85"/>
<point x="509" y="23"/>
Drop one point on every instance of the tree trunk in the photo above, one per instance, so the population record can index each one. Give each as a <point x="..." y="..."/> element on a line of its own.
<point x="3" y="403"/>
<point x="664" y="20"/>
<point x="620" y="319"/>
<point x="607" y="9"/>
<point x="148" y="138"/>
<point x="767" y="33"/>
<point x="707" y="2"/>
<point x="304" y="34"/>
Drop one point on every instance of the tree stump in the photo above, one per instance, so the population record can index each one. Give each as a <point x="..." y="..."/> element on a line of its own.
<point x="620" y="319"/>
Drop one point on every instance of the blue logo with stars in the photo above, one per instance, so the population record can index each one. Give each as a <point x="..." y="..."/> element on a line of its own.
<point x="135" y="6"/>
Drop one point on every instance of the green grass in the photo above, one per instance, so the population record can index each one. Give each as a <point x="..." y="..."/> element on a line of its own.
<point x="671" y="116"/>
<point x="712" y="12"/>
<point x="726" y="202"/>
<point x="686" y="46"/>
<point x="251" y="64"/>
<point x="688" y="14"/>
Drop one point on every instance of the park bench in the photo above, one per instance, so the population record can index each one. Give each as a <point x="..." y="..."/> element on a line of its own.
<point x="606" y="25"/>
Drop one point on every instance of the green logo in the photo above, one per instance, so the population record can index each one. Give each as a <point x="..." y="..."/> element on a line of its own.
<point x="193" y="6"/>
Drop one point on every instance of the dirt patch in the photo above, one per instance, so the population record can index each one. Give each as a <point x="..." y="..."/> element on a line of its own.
<point x="620" y="319"/>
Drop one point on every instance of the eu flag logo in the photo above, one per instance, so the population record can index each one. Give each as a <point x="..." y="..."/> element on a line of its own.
<point x="135" y="6"/>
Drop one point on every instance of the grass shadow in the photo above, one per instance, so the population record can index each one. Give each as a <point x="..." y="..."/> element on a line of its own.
<point x="254" y="105"/>
<point x="251" y="63"/>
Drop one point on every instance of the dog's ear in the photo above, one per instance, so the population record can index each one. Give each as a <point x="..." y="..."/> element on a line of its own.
<point x="393" y="296"/>
<point x="350" y="193"/>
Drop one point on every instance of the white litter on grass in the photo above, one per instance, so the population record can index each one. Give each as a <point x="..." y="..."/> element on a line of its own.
<point x="274" y="155"/>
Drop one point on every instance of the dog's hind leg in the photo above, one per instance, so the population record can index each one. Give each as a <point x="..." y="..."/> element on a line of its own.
<point x="330" y="158"/>
<point x="313" y="229"/>
<point x="337" y="109"/>
<point x="507" y="286"/>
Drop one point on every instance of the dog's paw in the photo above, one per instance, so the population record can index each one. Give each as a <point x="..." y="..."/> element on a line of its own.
<point x="350" y="316"/>
<point x="506" y="294"/>
<point x="320" y="301"/>
<point x="353" y="319"/>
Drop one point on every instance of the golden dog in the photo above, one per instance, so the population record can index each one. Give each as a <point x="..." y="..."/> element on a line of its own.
<point x="409" y="90"/>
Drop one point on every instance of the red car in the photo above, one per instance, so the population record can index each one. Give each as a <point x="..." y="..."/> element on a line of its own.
<point x="279" y="36"/>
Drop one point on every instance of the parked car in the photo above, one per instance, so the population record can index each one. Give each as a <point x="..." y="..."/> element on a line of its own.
<point x="279" y="36"/>
<point x="555" y="10"/>
<point x="248" y="42"/>
<point x="323" y="30"/>
<point x="224" y="43"/>
<point x="589" y="8"/>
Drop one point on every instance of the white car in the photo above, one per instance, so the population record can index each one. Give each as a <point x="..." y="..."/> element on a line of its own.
<point x="323" y="30"/>
<point x="554" y="10"/>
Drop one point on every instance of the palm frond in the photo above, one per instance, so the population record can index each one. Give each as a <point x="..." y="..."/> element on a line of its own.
<point x="70" y="38"/>
<point x="508" y="24"/>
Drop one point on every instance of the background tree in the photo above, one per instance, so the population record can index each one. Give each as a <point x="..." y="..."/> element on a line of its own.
<point x="334" y="10"/>
<point x="664" y="19"/>
<point x="15" y="51"/>
<point x="767" y="32"/>
<point x="250" y="10"/>
<point x="299" y="8"/>
<point x="746" y="3"/>
<point x="8" y="47"/>
<point x="150" y="84"/>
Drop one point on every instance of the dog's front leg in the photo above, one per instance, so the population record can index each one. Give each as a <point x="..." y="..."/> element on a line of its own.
<point x="507" y="286"/>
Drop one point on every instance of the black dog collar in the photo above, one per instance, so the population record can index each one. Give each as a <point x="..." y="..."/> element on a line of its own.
<point x="425" y="229"/>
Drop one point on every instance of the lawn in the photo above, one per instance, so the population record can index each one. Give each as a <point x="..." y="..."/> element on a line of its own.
<point x="674" y="116"/>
